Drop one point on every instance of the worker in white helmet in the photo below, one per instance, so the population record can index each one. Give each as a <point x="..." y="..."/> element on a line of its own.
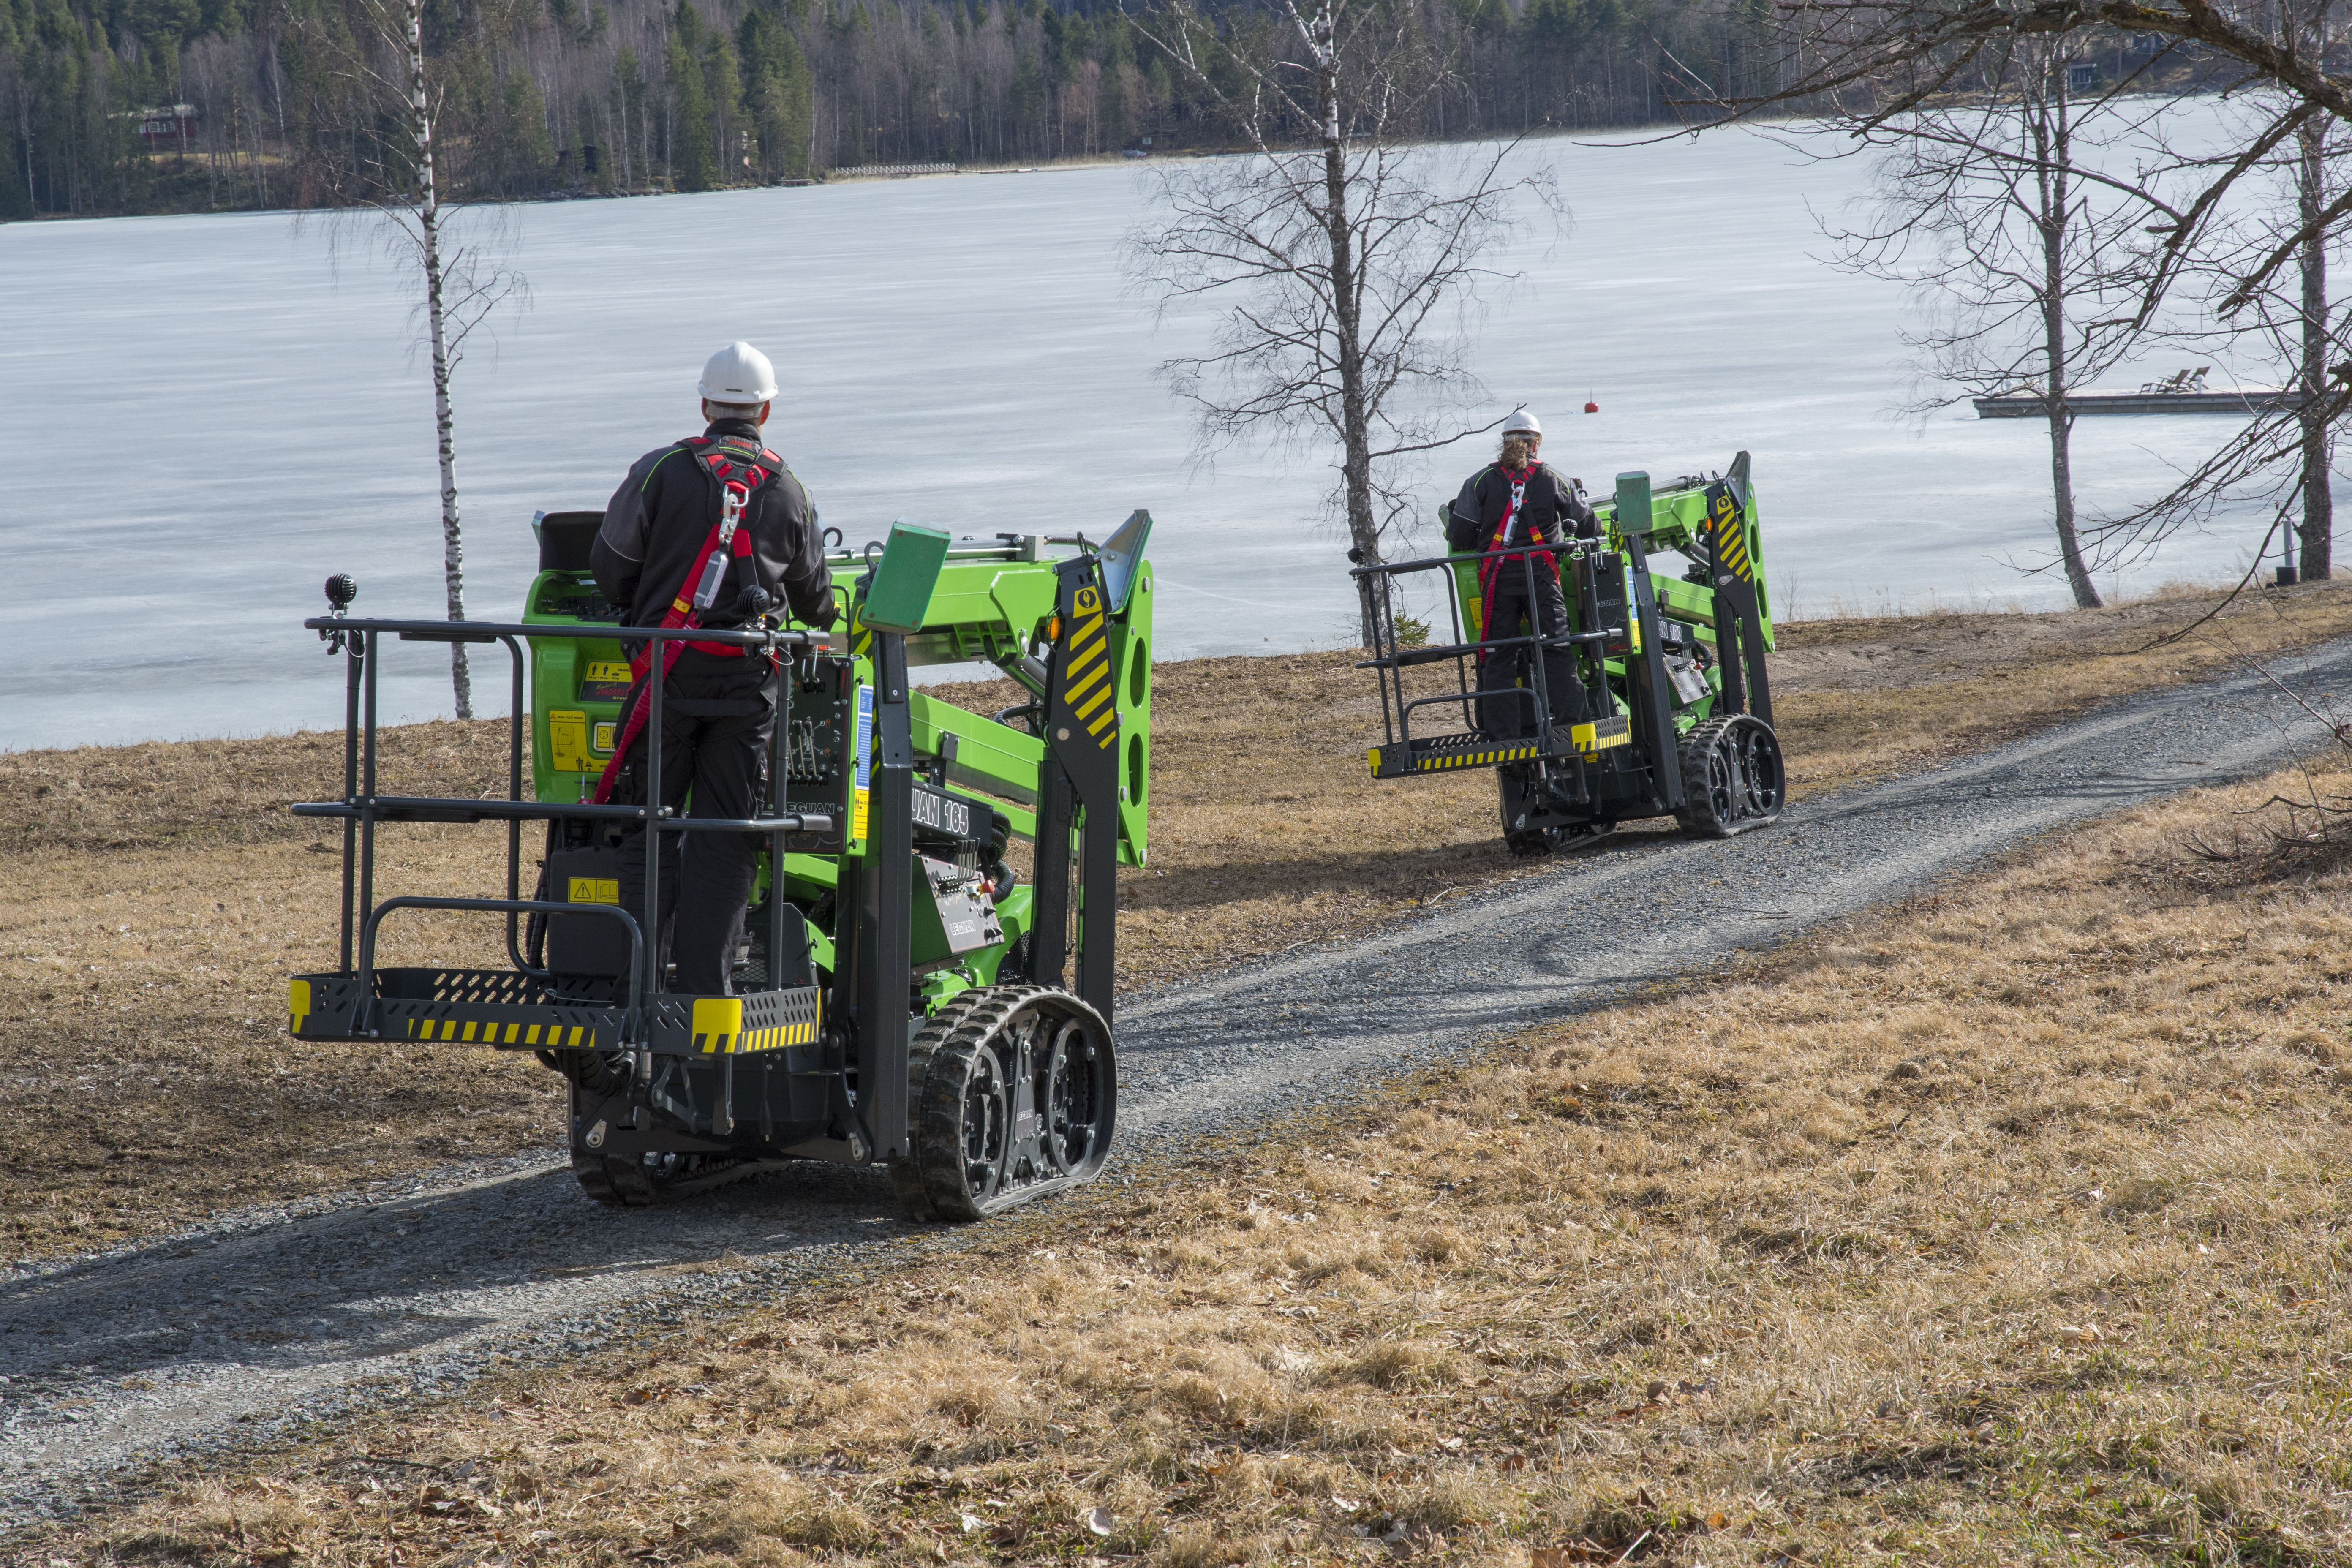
<point x="712" y="530"/>
<point x="1517" y="500"/>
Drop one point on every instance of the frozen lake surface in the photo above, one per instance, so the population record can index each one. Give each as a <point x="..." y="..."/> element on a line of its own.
<point x="207" y="416"/>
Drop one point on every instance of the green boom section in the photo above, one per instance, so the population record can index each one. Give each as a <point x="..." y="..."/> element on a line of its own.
<point x="1678" y="524"/>
<point x="992" y="611"/>
<point x="957" y="605"/>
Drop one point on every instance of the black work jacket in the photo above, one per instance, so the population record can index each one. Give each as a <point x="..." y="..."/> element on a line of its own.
<point x="657" y="523"/>
<point x="1549" y="511"/>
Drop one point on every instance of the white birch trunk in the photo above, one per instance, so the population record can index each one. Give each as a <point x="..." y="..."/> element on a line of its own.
<point x="2053" y="148"/>
<point x="428" y="220"/>
<point x="2318" y="529"/>
<point x="1355" y="414"/>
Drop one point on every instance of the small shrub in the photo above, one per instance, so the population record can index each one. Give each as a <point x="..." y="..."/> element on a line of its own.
<point x="1439" y="1246"/>
<point x="1197" y="1546"/>
<point x="1399" y="1363"/>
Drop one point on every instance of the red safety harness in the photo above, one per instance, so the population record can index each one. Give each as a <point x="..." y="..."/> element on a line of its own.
<point x="741" y="469"/>
<point x="1490" y="570"/>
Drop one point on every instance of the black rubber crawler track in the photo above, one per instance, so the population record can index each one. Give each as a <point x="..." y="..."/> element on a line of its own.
<point x="906" y="1175"/>
<point x="1700" y="818"/>
<point x="941" y="1061"/>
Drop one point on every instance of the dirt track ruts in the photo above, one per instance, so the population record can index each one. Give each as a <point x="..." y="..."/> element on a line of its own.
<point x="185" y="1344"/>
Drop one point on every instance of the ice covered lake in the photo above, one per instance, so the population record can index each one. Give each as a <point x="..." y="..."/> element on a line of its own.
<point x="207" y="416"/>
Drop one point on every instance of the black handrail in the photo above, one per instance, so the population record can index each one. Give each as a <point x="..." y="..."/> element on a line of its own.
<point x="602" y="631"/>
<point x="513" y="907"/>
<point x="521" y="811"/>
<point x="1430" y="563"/>
<point x="362" y="808"/>
<point x="1390" y="659"/>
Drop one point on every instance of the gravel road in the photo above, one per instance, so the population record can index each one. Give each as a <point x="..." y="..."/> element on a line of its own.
<point x="272" y="1322"/>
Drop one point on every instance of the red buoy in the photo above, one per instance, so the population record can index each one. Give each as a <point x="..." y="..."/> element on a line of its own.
<point x="1593" y="408"/>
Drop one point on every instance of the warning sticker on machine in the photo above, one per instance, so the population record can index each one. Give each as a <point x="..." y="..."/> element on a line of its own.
<point x="863" y="774"/>
<point x="605" y="680"/>
<point x="1602" y="733"/>
<point x="567" y="739"/>
<point x="594" y="891"/>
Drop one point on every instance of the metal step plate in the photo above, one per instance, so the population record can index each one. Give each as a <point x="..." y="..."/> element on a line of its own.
<point x="1448" y="754"/>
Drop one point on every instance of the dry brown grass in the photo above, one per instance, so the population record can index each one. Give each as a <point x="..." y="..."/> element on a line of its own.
<point x="153" y="897"/>
<point x="1267" y="833"/>
<point x="2007" y="1231"/>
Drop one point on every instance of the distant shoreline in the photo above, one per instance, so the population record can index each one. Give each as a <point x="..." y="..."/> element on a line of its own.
<point x="1826" y="640"/>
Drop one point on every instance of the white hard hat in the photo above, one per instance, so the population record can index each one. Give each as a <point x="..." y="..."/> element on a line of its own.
<point x="1523" y="421"/>
<point x="738" y="374"/>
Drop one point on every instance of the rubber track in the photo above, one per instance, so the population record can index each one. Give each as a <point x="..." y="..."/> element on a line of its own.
<point x="938" y="1106"/>
<point x="907" y="1175"/>
<point x="1695" y="749"/>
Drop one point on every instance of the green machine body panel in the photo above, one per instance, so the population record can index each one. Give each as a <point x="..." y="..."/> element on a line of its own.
<point x="575" y="688"/>
<point x="899" y="596"/>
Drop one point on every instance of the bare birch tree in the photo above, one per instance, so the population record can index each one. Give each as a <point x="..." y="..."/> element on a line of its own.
<point x="462" y="280"/>
<point x="1996" y="208"/>
<point x="1879" y="60"/>
<point x="2279" y="465"/>
<point x="2315" y="344"/>
<point x="1352" y="262"/>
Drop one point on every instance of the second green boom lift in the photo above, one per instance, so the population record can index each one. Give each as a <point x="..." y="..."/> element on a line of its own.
<point x="1671" y="657"/>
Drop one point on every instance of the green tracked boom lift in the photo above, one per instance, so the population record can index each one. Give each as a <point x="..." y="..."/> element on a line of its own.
<point x="905" y="998"/>
<point x="1671" y="655"/>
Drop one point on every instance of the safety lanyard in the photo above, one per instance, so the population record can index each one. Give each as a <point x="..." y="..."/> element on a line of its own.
<point x="1488" y="568"/>
<point x="729" y="540"/>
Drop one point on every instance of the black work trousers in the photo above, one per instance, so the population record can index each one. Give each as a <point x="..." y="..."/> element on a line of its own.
<point x="1504" y="669"/>
<point x="717" y="716"/>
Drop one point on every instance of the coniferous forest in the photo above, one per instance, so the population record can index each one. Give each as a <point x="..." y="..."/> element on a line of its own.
<point x="135" y="106"/>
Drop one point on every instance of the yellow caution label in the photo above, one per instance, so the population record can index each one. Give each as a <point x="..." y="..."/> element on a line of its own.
<point x="607" y="669"/>
<point x="858" y="815"/>
<point x="1445" y="761"/>
<point x="297" y="1005"/>
<point x="1086" y="685"/>
<point x="482" y="1033"/>
<point x="1731" y="539"/>
<point x="1442" y="762"/>
<point x="594" y="891"/>
<point x="567" y="741"/>
<point x="718" y="1029"/>
<point x="716" y="1021"/>
<point x="1601" y="734"/>
<point x="604" y="740"/>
